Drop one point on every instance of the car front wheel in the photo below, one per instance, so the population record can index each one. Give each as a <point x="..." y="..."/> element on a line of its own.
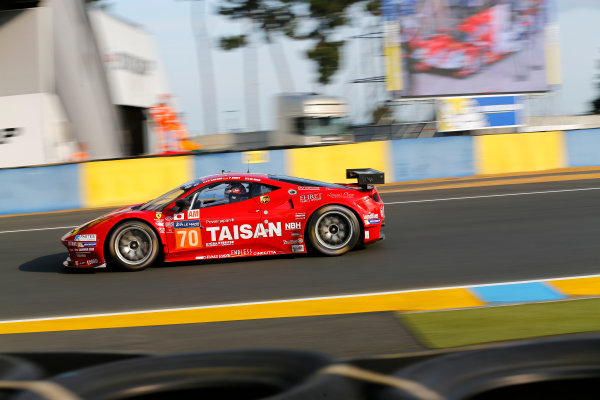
<point x="333" y="230"/>
<point x="133" y="246"/>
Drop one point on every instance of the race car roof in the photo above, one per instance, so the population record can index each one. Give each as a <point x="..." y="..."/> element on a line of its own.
<point x="255" y="176"/>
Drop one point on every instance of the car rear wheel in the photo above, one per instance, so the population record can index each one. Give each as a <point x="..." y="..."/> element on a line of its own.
<point x="333" y="230"/>
<point x="133" y="246"/>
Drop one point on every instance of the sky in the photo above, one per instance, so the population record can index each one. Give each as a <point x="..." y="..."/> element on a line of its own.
<point x="170" y="23"/>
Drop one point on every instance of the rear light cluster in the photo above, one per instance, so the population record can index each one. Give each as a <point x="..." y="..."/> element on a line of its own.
<point x="366" y="203"/>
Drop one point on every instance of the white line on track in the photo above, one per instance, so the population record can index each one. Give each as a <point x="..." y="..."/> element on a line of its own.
<point x="39" y="229"/>
<point x="492" y="195"/>
<point x="279" y="301"/>
<point x="390" y="203"/>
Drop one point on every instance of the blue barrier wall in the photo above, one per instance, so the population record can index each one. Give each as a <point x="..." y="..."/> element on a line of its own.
<point x="415" y="159"/>
<point x="208" y="164"/>
<point x="52" y="188"/>
<point x="583" y="148"/>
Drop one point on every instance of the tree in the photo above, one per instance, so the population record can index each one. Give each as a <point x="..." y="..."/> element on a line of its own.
<point x="300" y="20"/>
<point x="382" y="114"/>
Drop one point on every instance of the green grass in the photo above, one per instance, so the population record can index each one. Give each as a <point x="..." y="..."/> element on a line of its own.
<point x="443" y="329"/>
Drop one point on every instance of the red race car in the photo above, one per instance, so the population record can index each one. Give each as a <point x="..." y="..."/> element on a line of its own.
<point x="234" y="215"/>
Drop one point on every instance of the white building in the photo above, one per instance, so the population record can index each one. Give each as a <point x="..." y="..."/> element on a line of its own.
<point x="73" y="79"/>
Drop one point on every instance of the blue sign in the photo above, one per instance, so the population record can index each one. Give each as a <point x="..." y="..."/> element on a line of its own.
<point x="186" y="224"/>
<point x="469" y="113"/>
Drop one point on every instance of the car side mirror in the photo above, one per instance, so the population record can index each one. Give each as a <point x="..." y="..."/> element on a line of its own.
<point x="182" y="204"/>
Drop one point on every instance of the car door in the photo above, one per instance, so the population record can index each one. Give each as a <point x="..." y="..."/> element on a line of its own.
<point x="281" y="215"/>
<point x="220" y="222"/>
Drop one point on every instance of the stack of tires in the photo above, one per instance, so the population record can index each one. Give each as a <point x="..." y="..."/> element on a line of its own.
<point x="547" y="369"/>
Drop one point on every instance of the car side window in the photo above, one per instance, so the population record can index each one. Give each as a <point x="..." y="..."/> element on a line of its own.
<point x="220" y="193"/>
<point x="259" y="189"/>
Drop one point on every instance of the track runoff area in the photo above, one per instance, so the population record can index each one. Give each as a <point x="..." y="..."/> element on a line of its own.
<point x="549" y="289"/>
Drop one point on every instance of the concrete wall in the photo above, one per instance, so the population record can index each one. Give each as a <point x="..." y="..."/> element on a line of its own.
<point x="52" y="188"/>
<point x="121" y="182"/>
<point x="416" y="159"/>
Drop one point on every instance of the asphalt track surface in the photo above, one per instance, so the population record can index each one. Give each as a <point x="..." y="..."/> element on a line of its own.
<point x="481" y="235"/>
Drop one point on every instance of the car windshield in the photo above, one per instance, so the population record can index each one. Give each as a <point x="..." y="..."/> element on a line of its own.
<point x="162" y="201"/>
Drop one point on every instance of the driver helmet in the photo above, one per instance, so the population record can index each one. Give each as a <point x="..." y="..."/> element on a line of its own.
<point x="236" y="192"/>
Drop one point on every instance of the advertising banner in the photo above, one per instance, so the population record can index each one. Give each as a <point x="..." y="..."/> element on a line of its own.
<point x="458" y="47"/>
<point x="468" y="113"/>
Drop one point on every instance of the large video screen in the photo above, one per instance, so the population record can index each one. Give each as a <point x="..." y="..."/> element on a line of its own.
<point x="455" y="47"/>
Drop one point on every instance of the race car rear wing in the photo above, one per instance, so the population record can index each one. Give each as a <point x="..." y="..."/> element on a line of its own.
<point x="366" y="176"/>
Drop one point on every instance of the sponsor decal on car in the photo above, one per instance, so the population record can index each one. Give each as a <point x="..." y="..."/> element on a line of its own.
<point x="213" y="256"/>
<point x="158" y="215"/>
<point x="218" y="221"/>
<point x="86" y="244"/>
<point x="188" y="234"/>
<point x="367" y="234"/>
<point x="298" y="248"/>
<point x="295" y="241"/>
<point x="344" y="195"/>
<point x="169" y="224"/>
<point x="265" y="253"/>
<point x="169" y="218"/>
<point x="371" y="219"/>
<point x="309" y="188"/>
<point x="300" y="216"/>
<point x="85" y="238"/>
<point x="92" y="261"/>
<point x="186" y="224"/>
<point x="307" y="198"/>
<point x="241" y="252"/>
<point x="265" y="199"/>
<point x="178" y="216"/>
<point x="193" y="214"/>
<point x="221" y="243"/>
<point x="289" y="226"/>
<point x="245" y="231"/>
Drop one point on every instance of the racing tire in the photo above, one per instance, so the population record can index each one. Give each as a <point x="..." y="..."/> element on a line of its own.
<point x="17" y="369"/>
<point x="509" y="371"/>
<point x="133" y="246"/>
<point x="249" y="374"/>
<point x="333" y="230"/>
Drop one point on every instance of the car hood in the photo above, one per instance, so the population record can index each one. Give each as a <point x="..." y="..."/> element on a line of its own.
<point x="89" y="224"/>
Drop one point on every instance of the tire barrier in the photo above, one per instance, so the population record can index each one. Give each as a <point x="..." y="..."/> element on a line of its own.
<point x="14" y="369"/>
<point x="543" y="369"/>
<point x="256" y="374"/>
<point x="550" y="369"/>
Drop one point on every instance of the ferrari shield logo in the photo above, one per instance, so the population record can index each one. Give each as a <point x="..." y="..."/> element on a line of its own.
<point x="265" y="199"/>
